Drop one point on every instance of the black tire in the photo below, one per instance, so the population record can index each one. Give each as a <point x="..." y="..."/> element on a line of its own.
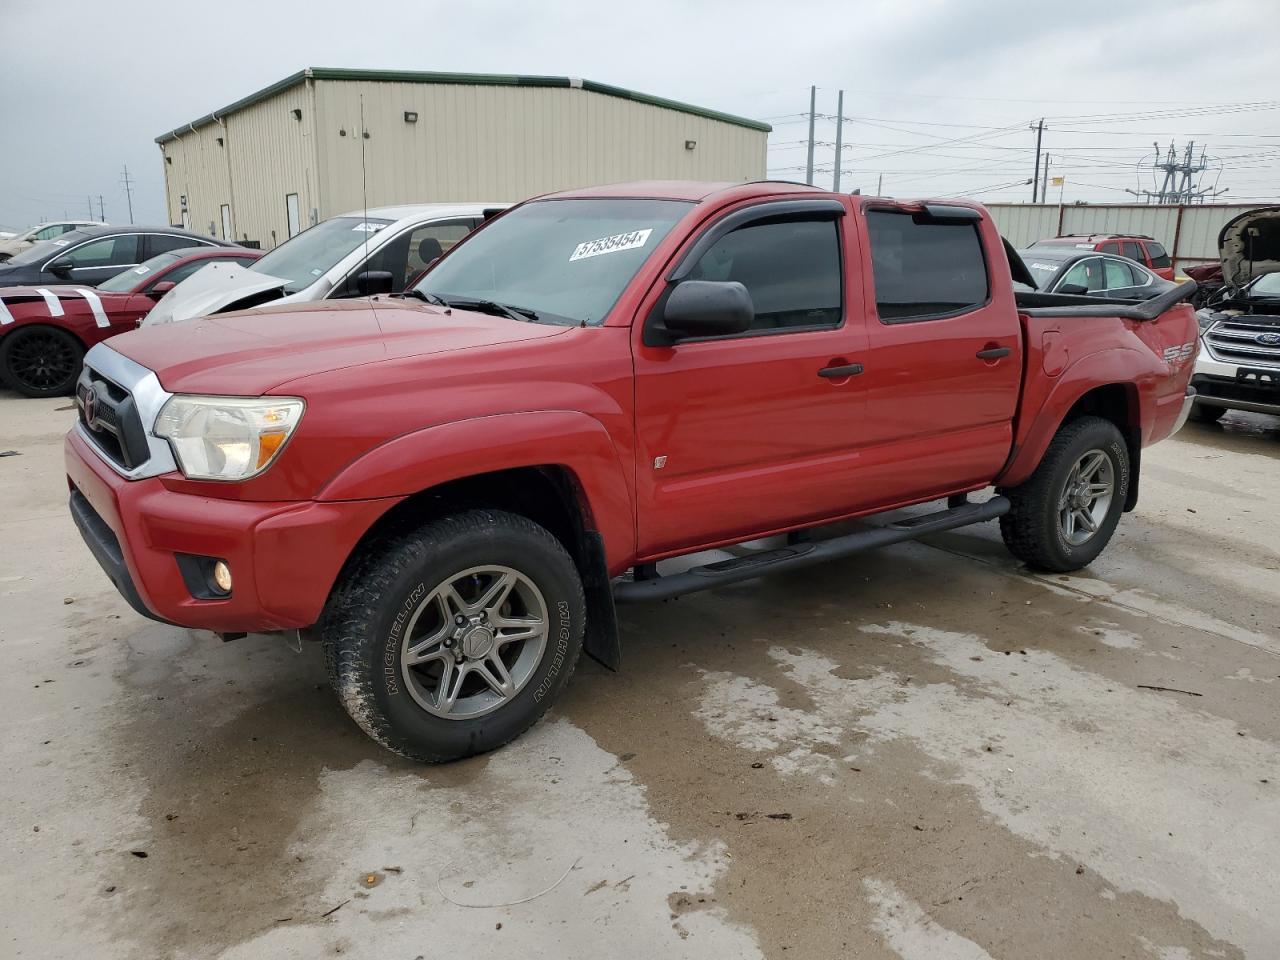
<point x="40" y="361"/>
<point x="1032" y="529"/>
<point x="1202" y="414"/>
<point x="363" y="624"/>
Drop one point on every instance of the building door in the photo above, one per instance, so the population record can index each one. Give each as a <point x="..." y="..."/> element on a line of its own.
<point x="227" y="232"/>
<point x="291" y="209"/>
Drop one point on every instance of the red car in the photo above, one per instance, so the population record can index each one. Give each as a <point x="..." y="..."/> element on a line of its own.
<point x="451" y="489"/>
<point x="1139" y="247"/>
<point x="45" y="331"/>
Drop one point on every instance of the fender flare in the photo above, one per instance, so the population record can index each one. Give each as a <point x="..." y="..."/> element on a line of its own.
<point x="422" y="459"/>
<point x="1107" y="368"/>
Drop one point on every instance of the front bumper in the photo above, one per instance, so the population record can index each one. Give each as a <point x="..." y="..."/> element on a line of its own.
<point x="1219" y="384"/>
<point x="284" y="557"/>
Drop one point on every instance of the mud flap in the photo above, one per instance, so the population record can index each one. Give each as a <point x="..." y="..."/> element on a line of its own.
<point x="602" y="642"/>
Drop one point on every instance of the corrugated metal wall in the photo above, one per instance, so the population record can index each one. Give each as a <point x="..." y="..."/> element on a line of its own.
<point x="1193" y="239"/>
<point x="470" y="142"/>
<point x="266" y="153"/>
<point x="510" y="142"/>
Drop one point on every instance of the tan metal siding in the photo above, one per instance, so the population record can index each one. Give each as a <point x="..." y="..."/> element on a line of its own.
<point x="199" y="172"/>
<point x="507" y="143"/>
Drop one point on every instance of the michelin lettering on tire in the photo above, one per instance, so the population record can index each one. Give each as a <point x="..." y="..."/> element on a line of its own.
<point x="563" y="636"/>
<point x="391" y="649"/>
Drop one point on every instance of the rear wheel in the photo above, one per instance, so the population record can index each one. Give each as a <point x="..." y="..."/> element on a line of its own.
<point x="1067" y="512"/>
<point x="1204" y="414"/>
<point x="456" y="637"/>
<point x="41" y="361"/>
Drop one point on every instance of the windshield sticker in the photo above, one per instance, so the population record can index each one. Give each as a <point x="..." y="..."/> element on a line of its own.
<point x="368" y="227"/>
<point x="60" y="243"/>
<point x="316" y="272"/>
<point x="141" y="269"/>
<point x="1084" y="246"/>
<point x="1043" y="266"/>
<point x="615" y="244"/>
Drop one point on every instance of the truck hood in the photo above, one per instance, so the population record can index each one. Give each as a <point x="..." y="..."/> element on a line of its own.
<point x="212" y="289"/>
<point x="1249" y="246"/>
<point x="248" y="354"/>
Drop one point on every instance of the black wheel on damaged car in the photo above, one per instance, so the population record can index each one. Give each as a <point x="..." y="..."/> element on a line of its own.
<point x="454" y="638"/>
<point x="1063" y="516"/>
<point x="40" y="361"/>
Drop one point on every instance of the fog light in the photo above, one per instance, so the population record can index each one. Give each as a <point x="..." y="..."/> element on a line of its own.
<point x="222" y="576"/>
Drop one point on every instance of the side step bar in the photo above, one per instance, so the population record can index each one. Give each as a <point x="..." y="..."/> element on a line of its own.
<point x="805" y="554"/>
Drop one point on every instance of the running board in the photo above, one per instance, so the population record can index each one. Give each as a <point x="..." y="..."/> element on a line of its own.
<point x="805" y="554"/>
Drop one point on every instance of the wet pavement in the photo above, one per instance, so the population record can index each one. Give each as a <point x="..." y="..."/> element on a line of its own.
<point x="924" y="753"/>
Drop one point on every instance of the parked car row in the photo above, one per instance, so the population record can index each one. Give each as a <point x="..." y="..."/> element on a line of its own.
<point x="71" y="290"/>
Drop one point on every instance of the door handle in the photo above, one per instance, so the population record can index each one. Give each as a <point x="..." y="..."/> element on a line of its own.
<point x="993" y="353"/>
<point x="837" y="373"/>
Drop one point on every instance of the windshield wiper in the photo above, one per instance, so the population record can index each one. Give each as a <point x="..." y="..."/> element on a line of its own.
<point x="425" y="297"/>
<point x="523" y="314"/>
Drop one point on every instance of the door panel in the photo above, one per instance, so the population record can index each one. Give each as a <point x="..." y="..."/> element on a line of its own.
<point x="740" y="435"/>
<point x="938" y="416"/>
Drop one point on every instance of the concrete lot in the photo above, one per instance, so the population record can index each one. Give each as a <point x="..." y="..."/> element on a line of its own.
<point x="925" y="753"/>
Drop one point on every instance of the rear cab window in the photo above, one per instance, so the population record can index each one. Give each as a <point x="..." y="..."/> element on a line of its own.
<point x="925" y="269"/>
<point x="1159" y="256"/>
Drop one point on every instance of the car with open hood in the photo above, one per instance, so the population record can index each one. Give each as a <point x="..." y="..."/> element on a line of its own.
<point x="379" y="250"/>
<point x="45" y="330"/>
<point x="1238" y="366"/>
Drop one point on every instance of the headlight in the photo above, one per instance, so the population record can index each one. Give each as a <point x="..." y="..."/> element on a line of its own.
<point x="227" y="438"/>
<point x="1206" y="319"/>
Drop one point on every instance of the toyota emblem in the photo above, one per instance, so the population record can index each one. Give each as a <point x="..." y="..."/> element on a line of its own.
<point x="90" y="408"/>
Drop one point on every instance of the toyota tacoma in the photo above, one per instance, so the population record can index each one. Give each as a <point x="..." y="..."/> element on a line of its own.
<point x="452" y="489"/>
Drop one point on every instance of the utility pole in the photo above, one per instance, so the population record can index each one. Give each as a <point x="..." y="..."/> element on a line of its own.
<point x="1039" y="129"/>
<point x="1044" y="188"/>
<point x="813" y="104"/>
<point x="835" y="186"/>
<point x="880" y="186"/>
<point x="102" y="215"/>
<point x="128" y="192"/>
<point x="90" y="208"/>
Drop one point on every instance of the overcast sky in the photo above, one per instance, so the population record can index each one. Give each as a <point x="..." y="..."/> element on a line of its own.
<point x="942" y="92"/>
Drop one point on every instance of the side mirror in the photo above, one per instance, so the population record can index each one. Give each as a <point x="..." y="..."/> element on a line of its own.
<point x="1074" y="289"/>
<point x="158" y="290"/>
<point x="60" y="267"/>
<point x="705" y="308"/>
<point x="373" y="282"/>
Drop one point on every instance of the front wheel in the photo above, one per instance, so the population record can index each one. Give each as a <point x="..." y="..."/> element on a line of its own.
<point x="456" y="637"/>
<point x="40" y="361"/>
<point x="1066" y="513"/>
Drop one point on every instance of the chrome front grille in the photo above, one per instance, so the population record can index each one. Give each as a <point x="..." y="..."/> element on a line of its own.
<point x="1248" y="340"/>
<point x="126" y="399"/>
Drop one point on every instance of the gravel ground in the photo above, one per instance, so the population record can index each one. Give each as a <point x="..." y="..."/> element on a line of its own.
<point x="924" y="753"/>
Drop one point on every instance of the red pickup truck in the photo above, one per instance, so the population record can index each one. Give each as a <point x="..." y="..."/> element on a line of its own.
<point x="453" y="488"/>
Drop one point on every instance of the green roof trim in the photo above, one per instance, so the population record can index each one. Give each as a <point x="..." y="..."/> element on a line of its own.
<point x="470" y="79"/>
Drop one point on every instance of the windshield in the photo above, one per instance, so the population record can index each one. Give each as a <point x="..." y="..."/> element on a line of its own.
<point x="45" y="249"/>
<point x="301" y="260"/>
<point x="1042" y="269"/>
<point x="124" y="282"/>
<point x="1266" y="286"/>
<point x="565" y="260"/>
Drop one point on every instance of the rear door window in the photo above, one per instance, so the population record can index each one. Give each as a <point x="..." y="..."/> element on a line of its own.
<point x="924" y="269"/>
<point x="1132" y="250"/>
<point x="1110" y="247"/>
<point x="1117" y="275"/>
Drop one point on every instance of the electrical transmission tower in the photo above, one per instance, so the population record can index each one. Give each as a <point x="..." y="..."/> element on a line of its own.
<point x="1182" y="181"/>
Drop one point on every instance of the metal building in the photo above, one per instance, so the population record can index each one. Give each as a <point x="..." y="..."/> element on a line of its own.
<point x="296" y="152"/>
